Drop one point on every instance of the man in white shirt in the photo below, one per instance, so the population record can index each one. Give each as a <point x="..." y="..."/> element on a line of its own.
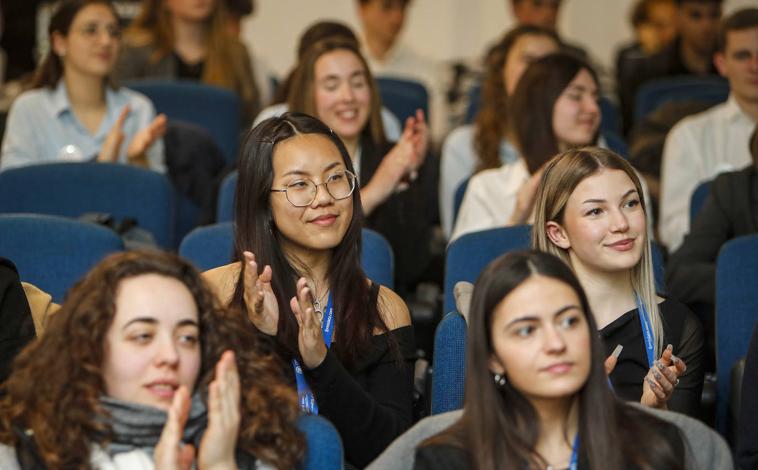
<point x="702" y="146"/>
<point x="388" y="57"/>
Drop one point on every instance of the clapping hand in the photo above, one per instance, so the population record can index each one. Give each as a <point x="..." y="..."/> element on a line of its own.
<point x="170" y="453"/>
<point x="310" y="339"/>
<point x="661" y="380"/>
<point x="262" y="307"/>
<point x="220" y="439"/>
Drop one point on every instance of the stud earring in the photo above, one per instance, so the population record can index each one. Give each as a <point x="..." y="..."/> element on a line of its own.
<point x="499" y="380"/>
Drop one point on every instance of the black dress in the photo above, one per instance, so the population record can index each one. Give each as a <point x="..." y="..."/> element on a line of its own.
<point x="682" y="330"/>
<point x="371" y="403"/>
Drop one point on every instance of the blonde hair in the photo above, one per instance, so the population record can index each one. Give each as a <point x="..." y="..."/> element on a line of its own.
<point x="562" y="175"/>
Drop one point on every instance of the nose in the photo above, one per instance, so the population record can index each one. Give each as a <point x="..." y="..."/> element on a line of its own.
<point x="346" y="92"/>
<point x="553" y="340"/>
<point x="619" y="221"/>
<point x="591" y="105"/>
<point x="166" y="353"/>
<point x="323" y="197"/>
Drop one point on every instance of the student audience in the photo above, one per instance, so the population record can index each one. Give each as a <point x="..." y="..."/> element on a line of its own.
<point x="334" y="84"/>
<point x="74" y="113"/>
<point x="553" y="108"/>
<point x="536" y="391"/>
<point x="700" y="147"/>
<point x="188" y="40"/>
<point x="299" y="278"/>
<point x="199" y="387"/>
<point x="484" y="145"/>
<point x="590" y="211"/>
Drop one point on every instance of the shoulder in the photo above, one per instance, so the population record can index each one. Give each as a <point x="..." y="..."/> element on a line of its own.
<point x="460" y="137"/>
<point x="8" y="460"/>
<point x="393" y="310"/>
<point x="31" y="100"/>
<point x="732" y="181"/>
<point x="41" y="306"/>
<point x="499" y="177"/>
<point x="672" y="308"/>
<point x="698" y="124"/>
<point x="442" y="456"/>
<point x="223" y="280"/>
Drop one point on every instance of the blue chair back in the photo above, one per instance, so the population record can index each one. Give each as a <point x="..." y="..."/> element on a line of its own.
<point x="468" y="255"/>
<point x="377" y="258"/>
<point x="225" y="203"/>
<point x="54" y="252"/>
<point x="460" y="191"/>
<point x="449" y="365"/>
<point x="736" y="314"/>
<point x="653" y="94"/>
<point x="403" y="97"/>
<point x="210" y="246"/>
<point x="615" y="142"/>
<point x="324" y="446"/>
<point x="698" y="199"/>
<point x="72" y="189"/>
<point x="213" y="108"/>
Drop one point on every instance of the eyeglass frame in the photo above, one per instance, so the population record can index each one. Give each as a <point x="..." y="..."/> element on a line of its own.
<point x="324" y="184"/>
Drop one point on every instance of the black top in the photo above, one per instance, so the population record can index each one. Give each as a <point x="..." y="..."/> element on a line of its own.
<point x="682" y="330"/>
<point x="730" y="211"/>
<point x="747" y="440"/>
<point x="405" y="218"/>
<point x="16" y="323"/>
<point x="187" y="71"/>
<point x="372" y="403"/>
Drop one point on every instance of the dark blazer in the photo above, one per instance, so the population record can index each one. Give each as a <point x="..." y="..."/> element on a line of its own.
<point x="730" y="211"/>
<point x="16" y="323"/>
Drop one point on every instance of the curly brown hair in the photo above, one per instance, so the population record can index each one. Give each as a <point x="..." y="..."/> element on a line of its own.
<point x="57" y="381"/>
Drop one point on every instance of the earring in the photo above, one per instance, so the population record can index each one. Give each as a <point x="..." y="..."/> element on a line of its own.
<point x="499" y="380"/>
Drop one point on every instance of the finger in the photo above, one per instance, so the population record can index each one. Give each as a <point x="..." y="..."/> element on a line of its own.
<point x="657" y="391"/>
<point x="119" y="124"/>
<point x="158" y="126"/>
<point x="660" y="378"/>
<point x="186" y="456"/>
<point x="610" y="364"/>
<point x="266" y="276"/>
<point x="214" y="406"/>
<point x="668" y="353"/>
<point x="679" y="364"/>
<point x="420" y="116"/>
<point x="295" y="306"/>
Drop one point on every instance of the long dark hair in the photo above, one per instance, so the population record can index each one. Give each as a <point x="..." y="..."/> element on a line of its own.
<point x="57" y="381"/>
<point x="530" y="110"/>
<point x="500" y="428"/>
<point x="491" y="122"/>
<point x="50" y="70"/>
<point x="255" y="231"/>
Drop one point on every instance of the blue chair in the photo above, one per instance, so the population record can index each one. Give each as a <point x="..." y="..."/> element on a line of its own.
<point x="449" y="367"/>
<point x="468" y="255"/>
<point x="377" y="258"/>
<point x="213" y="108"/>
<point x="698" y="199"/>
<point x="653" y="94"/>
<point x="403" y="97"/>
<point x="72" y="189"/>
<point x="615" y="142"/>
<point x="736" y="314"/>
<point x="460" y="191"/>
<point x="225" y="203"/>
<point x="324" y="446"/>
<point x="54" y="252"/>
<point x="210" y="246"/>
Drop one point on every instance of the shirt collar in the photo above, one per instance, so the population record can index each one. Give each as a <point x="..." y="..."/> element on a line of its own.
<point x="59" y="99"/>
<point x="732" y="110"/>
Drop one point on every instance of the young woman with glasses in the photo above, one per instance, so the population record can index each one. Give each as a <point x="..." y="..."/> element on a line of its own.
<point x="298" y="279"/>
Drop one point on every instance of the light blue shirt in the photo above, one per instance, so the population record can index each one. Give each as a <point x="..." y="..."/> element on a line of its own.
<point x="42" y="128"/>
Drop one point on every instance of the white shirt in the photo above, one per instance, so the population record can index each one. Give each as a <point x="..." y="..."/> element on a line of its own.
<point x="404" y="63"/>
<point x="697" y="149"/>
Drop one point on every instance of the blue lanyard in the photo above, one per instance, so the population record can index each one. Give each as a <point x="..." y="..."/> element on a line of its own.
<point x="574" y="462"/>
<point x="307" y="400"/>
<point x="647" y="330"/>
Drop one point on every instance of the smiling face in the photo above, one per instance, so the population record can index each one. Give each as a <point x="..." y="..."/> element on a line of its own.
<point x="541" y="340"/>
<point x="322" y="224"/>
<point x="92" y="43"/>
<point x="153" y="344"/>
<point x="604" y="226"/>
<point x="576" y="114"/>
<point x="342" y="93"/>
<point x="524" y="51"/>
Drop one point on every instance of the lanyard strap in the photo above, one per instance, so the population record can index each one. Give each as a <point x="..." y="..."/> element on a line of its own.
<point x="647" y="330"/>
<point x="574" y="462"/>
<point x="307" y="400"/>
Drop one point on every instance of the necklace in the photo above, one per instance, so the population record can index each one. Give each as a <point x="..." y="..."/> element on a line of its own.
<point x="317" y="300"/>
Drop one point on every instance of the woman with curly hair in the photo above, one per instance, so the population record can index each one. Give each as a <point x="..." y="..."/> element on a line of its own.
<point x="140" y="367"/>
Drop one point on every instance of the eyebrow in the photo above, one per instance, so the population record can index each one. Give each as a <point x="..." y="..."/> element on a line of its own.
<point x="558" y="312"/>
<point x="305" y="173"/>
<point x="153" y="321"/>
<point x="599" y="201"/>
<point x="334" y="76"/>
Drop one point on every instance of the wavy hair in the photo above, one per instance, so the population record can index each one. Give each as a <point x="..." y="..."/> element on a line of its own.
<point x="57" y="381"/>
<point x="491" y="124"/>
<point x="500" y="428"/>
<point x="562" y="175"/>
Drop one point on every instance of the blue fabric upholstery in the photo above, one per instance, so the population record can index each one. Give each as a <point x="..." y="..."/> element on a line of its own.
<point x="403" y="97"/>
<point x="736" y="314"/>
<point x="698" y="199"/>
<point x="72" y="189"/>
<point x="449" y="367"/>
<point x="210" y="246"/>
<point x="468" y="255"/>
<point x="225" y="208"/>
<point x="54" y="252"/>
<point x="324" y="446"/>
<point x="377" y="258"/>
<point x="460" y="191"/>
<point x="653" y="94"/>
<point x="212" y="108"/>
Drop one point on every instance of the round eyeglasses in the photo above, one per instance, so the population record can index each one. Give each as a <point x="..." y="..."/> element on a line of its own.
<point x="302" y="192"/>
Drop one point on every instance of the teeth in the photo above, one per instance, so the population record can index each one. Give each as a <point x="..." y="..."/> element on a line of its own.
<point x="164" y="387"/>
<point x="348" y="114"/>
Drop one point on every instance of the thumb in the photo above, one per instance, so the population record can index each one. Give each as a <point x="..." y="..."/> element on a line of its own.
<point x="186" y="456"/>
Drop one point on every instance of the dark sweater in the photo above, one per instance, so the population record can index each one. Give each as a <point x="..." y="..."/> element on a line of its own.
<point x="681" y="329"/>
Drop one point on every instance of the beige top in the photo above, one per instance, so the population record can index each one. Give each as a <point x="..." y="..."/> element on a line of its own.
<point x="41" y="305"/>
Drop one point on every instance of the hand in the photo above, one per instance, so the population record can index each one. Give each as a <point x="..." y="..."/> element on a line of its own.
<point x="525" y="199"/>
<point x="220" y="438"/>
<point x="612" y="360"/>
<point x="145" y="138"/>
<point x="419" y="137"/>
<point x="662" y="379"/>
<point x="114" y="139"/>
<point x="262" y="307"/>
<point x="170" y="453"/>
<point x="310" y="339"/>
